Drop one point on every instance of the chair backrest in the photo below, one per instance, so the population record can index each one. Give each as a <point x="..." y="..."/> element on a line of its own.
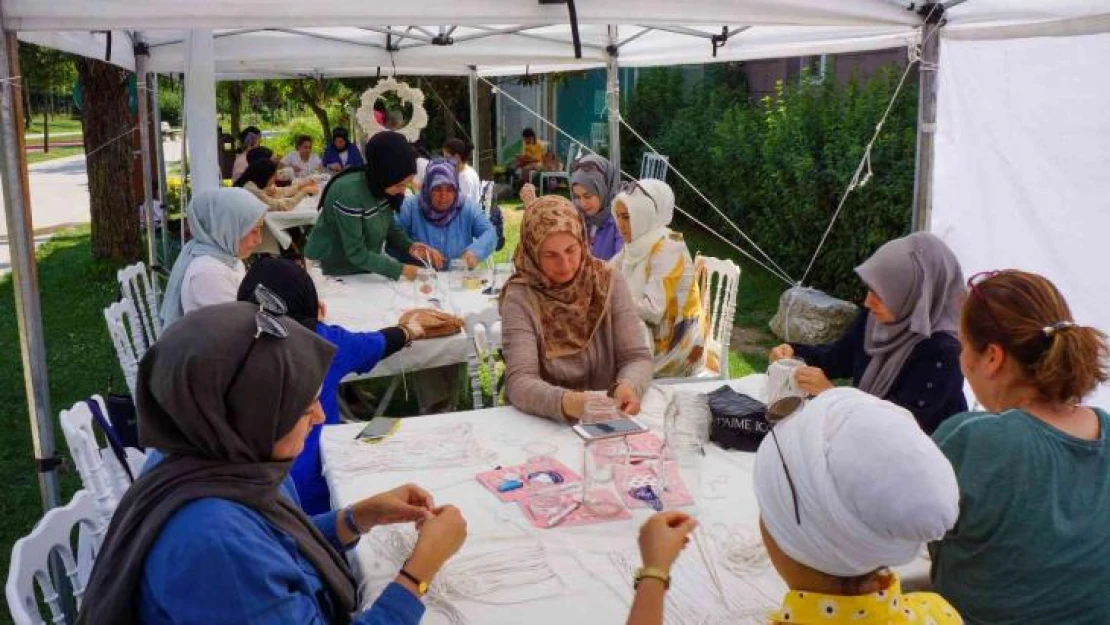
<point x="574" y="152"/>
<point x="599" y="135"/>
<point x="720" y="282"/>
<point x="127" y="337"/>
<point x="30" y="564"/>
<point x="101" y="473"/>
<point x="486" y="196"/>
<point x="654" y="166"/>
<point x="484" y="332"/>
<point x="136" y="284"/>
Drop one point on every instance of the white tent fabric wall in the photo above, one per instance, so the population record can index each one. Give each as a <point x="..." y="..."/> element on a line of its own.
<point x="1022" y="176"/>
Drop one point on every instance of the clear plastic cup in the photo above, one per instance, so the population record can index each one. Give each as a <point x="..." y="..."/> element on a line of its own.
<point x="457" y="269"/>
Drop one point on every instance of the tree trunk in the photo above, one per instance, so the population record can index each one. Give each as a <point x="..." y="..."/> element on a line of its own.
<point x="46" y="129"/>
<point x="27" y="118"/>
<point x="106" y="120"/>
<point x="484" y="136"/>
<point x="235" y="99"/>
<point x="311" y="98"/>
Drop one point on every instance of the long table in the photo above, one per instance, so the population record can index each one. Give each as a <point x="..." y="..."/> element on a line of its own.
<point x="366" y="302"/>
<point x="591" y="563"/>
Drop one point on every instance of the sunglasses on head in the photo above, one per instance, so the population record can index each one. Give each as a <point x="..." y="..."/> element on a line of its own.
<point x="973" y="284"/>
<point x="265" y="322"/>
<point x="631" y="186"/>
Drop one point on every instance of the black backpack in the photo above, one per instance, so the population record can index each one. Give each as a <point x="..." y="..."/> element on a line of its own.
<point x="494" y="212"/>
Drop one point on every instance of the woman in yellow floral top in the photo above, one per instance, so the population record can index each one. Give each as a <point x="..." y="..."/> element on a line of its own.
<point x="847" y="487"/>
<point x="656" y="264"/>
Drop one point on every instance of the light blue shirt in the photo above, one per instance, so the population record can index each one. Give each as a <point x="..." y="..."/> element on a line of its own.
<point x="469" y="230"/>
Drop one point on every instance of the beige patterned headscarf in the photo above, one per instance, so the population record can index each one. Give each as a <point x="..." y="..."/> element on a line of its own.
<point x="569" y="313"/>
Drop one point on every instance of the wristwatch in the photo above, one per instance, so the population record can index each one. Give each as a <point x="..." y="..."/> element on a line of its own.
<point x="349" y="520"/>
<point x="653" y="573"/>
<point x="421" y="587"/>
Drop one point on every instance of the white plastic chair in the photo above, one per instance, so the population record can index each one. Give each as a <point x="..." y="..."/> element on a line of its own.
<point x="720" y="284"/>
<point x="126" y="331"/>
<point x="484" y="332"/>
<point x="101" y="473"/>
<point x="30" y="563"/>
<point x="654" y="166"/>
<point x="488" y="187"/>
<point x="136" y="284"/>
<point x="574" y="152"/>
<point x="599" y="136"/>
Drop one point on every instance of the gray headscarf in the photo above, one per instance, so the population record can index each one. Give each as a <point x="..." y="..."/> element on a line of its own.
<point x="218" y="220"/>
<point x="216" y="405"/>
<point x="920" y="281"/>
<point x="600" y="178"/>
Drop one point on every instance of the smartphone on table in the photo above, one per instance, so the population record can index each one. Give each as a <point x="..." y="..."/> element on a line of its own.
<point x="378" y="428"/>
<point x="609" y="429"/>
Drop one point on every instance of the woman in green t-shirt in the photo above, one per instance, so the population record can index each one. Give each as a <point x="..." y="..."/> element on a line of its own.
<point x="1033" y="539"/>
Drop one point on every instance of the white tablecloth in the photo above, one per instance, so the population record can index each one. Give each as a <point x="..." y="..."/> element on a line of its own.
<point x="366" y="302"/>
<point x="274" y="235"/>
<point x="593" y="589"/>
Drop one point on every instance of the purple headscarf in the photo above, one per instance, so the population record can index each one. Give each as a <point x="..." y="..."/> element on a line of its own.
<point x="440" y="171"/>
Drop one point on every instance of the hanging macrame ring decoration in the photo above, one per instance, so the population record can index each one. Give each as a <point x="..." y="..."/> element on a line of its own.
<point x="407" y="94"/>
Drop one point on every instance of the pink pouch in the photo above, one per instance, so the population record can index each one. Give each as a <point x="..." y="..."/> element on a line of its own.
<point x="558" y="473"/>
<point x="630" y="477"/>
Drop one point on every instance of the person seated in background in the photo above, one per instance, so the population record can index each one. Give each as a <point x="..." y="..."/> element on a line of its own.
<point x="213" y="533"/>
<point x="569" y="324"/>
<point x="470" y="184"/>
<point x="657" y="267"/>
<point x="394" y="120"/>
<point x="356" y="352"/>
<point x="903" y="347"/>
<point x="259" y="153"/>
<point x="446" y="221"/>
<point x="341" y="153"/>
<point x="259" y="179"/>
<point x="847" y="488"/>
<point x="594" y="182"/>
<point x="423" y="157"/>
<point x="226" y="226"/>
<point x="302" y="160"/>
<point x="1033" y="538"/>
<point x="249" y="138"/>
<point x="530" y="159"/>
<point x="551" y="163"/>
<point x="357" y="214"/>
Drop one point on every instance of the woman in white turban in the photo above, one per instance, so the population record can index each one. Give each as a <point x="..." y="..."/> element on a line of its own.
<point x="848" y="487"/>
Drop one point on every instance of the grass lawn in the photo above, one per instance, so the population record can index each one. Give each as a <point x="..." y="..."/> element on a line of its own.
<point x="39" y="157"/>
<point x="58" y="124"/>
<point x="75" y="289"/>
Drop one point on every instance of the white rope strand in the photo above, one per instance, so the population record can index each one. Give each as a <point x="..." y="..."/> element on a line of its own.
<point x="865" y="161"/>
<point x="778" y="274"/>
<point x="111" y="141"/>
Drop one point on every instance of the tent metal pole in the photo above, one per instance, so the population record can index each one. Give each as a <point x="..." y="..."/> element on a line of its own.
<point x="475" y="136"/>
<point x="17" y="209"/>
<point x="926" y="123"/>
<point x="160" y="157"/>
<point x="614" y="97"/>
<point x="142" y="78"/>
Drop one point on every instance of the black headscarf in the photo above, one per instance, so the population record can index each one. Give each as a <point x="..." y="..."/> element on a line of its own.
<point x="290" y="282"/>
<point x="259" y="172"/>
<point x="215" y="399"/>
<point x="389" y="160"/>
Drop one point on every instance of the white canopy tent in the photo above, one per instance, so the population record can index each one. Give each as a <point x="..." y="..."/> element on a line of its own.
<point x="274" y="38"/>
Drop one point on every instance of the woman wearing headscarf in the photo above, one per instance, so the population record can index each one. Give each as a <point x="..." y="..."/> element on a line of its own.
<point x="210" y="535"/>
<point x="357" y="214"/>
<point x="356" y="352"/>
<point x="847" y="488"/>
<point x="226" y="225"/>
<point x="1033" y="540"/>
<point x="568" y="322"/>
<point x="259" y="179"/>
<point x="445" y="220"/>
<point x="656" y="264"/>
<point x="249" y="139"/>
<point x="903" y="347"/>
<point x="594" y="182"/>
<point x="341" y="153"/>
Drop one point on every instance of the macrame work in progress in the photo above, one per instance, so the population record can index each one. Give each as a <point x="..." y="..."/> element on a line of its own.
<point x="442" y="448"/>
<point x="505" y="572"/>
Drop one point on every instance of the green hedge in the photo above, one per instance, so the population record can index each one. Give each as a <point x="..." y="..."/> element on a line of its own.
<point x="778" y="167"/>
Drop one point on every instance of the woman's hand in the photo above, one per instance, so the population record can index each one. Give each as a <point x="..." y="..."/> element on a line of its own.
<point x="441" y="536"/>
<point x="573" y="405"/>
<point x="781" y="352"/>
<point x="812" y="380"/>
<point x="409" y="271"/>
<point x="528" y="194"/>
<point x="408" y="503"/>
<point x="471" y="259"/>
<point x="335" y="167"/>
<point x="425" y="252"/>
<point x="662" y="538"/>
<point x="626" y="399"/>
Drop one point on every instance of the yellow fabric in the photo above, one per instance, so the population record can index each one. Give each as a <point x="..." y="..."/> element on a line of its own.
<point x="534" y="152"/>
<point x="889" y="607"/>
<point x="679" y="336"/>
